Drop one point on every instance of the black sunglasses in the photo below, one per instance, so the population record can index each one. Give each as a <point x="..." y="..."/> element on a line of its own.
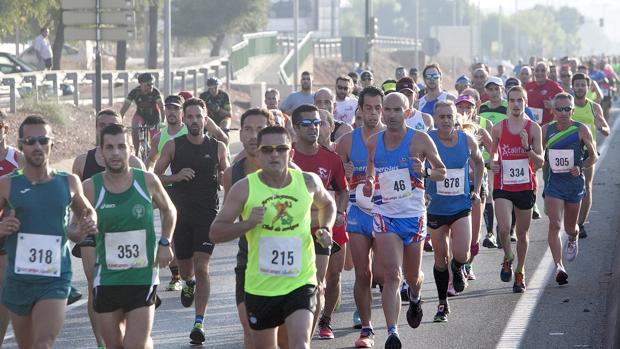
<point x="561" y="109"/>
<point x="43" y="140"/>
<point x="268" y="149"/>
<point x="307" y="123"/>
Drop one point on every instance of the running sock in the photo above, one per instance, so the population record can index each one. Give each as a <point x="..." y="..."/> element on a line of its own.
<point x="457" y="264"/>
<point x="392" y="329"/>
<point x="520" y="269"/>
<point x="367" y="329"/>
<point x="441" y="281"/>
<point x="190" y="283"/>
<point x="175" y="272"/>
<point x="199" y="319"/>
<point x="509" y="256"/>
<point x="415" y="298"/>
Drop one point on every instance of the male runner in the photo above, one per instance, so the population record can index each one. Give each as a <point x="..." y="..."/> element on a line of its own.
<point x="540" y="92"/>
<point x="517" y="154"/>
<point x="295" y="99"/>
<point x="417" y="120"/>
<point x="324" y="100"/>
<point x="38" y="197"/>
<point x="85" y="166"/>
<point x="344" y="110"/>
<point x="127" y="266"/>
<point x="314" y="158"/>
<point x="451" y="202"/>
<point x="564" y="141"/>
<point x="197" y="162"/>
<point x="218" y="104"/>
<point x="480" y="77"/>
<point x="434" y="92"/>
<point x="396" y="157"/>
<point x="590" y="114"/>
<point x="352" y="150"/>
<point x="275" y="205"/>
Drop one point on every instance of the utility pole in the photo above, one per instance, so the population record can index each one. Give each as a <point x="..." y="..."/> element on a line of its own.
<point x="167" y="77"/>
<point x="500" y="45"/>
<point x="98" y="55"/>
<point x="517" y="29"/>
<point x="369" y="23"/>
<point x="417" y="34"/>
<point x="296" y="39"/>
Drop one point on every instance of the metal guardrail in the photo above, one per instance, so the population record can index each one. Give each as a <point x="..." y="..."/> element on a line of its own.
<point x="252" y="45"/>
<point x="394" y="43"/>
<point x="287" y="67"/>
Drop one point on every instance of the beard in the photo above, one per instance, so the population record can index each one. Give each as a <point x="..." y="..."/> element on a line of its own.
<point x="115" y="169"/>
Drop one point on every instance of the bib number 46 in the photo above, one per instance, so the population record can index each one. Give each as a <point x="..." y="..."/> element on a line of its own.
<point x="399" y="185"/>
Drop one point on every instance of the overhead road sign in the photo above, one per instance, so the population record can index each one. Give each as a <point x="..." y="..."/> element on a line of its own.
<point x="108" y="34"/>
<point x="90" y="4"/>
<point x="70" y="18"/>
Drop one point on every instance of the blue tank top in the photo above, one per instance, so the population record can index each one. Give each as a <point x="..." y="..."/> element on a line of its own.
<point x="41" y="244"/>
<point x="399" y="191"/>
<point x="564" y="149"/>
<point x="451" y="195"/>
<point x="359" y="158"/>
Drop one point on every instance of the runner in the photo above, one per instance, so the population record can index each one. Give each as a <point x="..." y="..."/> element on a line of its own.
<point x="367" y="79"/>
<point x="10" y="159"/>
<point x="564" y="141"/>
<point x="39" y="198"/>
<point x="434" y="92"/>
<point x="252" y="121"/>
<point x="85" y="166"/>
<point x="313" y="158"/>
<point x="590" y="114"/>
<point x="295" y="99"/>
<point x="127" y="266"/>
<point x="416" y="120"/>
<point x="149" y="108"/>
<point x="540" y="92"/>
<point x="396" y="155"/>
<point x="324" y="100"/>
<point x="344" y="109"/>
<point x="525" y="75"/>
<point x="517" y="145"/>
<point x="462" y="83"/>
<point x="479" y="81"/>
<point x="197" y="162"/>
<point x="218" y="104"/>
<point x="275" y="204"/>
<point x="451" y="202"/>
<point x="353" y="152"/>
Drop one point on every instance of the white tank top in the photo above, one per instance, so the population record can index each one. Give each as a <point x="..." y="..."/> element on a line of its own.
<point x="416" y="122"/>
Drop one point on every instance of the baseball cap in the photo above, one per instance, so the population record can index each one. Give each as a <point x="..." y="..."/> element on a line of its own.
<point x="463" y="80"/>
<point x="510" y="82"/>
<point x="366" y="74"/>
<point x="174" y="100"/>
<point x="212" y="81"/>
<point x="405" y="83"/>
<point x="388" y="86"/>
<point x="465" y="98"/>
<point x="494" y="80"/>
<point x="186" y="95"/>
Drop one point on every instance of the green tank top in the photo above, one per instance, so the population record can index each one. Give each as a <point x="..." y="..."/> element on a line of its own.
<point x="280" y="250"/>
<point x="482" y="122"/>
<point x="495" y="115"/>
<point x="591" y="95"/>
<point x="39" y="252"/>
<point x="126" y="241"/>
<point x="165" y="137"/>
<point x="585" y="115"/>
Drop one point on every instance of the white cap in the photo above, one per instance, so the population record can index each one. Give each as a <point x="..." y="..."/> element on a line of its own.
<point x="494" y="80"/>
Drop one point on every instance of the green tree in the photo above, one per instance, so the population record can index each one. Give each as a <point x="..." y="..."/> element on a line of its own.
<point x="216" y="19"/>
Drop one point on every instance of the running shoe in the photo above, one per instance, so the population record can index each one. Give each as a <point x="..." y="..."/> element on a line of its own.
<point x="357" y="321"/>
<point x="489" y="241"/>
<point x="442" y="313"/>
<point x="187" y="295"/>
<point x="197" y="335"/>
<point x="582" y="232"/>
<point x="571" y="249"/>
<point x="414" y="314"/>
<point x="393" y="342"/>
<point x="458" y="279"/>
<point x="469" y="272"/>
<point x="325" y="329"/>
<point x="428" y="246"/>
<point x="74" y="296"/>
<point x="561" y="277"/>
<point x="506" y="272"/>
<point x="174" y="285"/>
<point x="451" y="292"/>
<point x="366" y="339"/>
<point x="519" y="285"/>
<point x="404" y="292"/>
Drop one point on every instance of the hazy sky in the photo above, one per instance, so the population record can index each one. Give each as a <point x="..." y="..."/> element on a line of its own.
<point x="593" y="9"/>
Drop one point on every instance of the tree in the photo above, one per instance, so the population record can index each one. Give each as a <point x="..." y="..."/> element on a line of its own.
<point x="216" y="19"/>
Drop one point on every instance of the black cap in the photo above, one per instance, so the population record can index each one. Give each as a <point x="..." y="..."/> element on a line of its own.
<point x="145" y="77"/>
<point x="174" y="100"/>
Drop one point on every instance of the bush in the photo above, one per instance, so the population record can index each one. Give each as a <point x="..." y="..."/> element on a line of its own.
<point x="49" y="109"/>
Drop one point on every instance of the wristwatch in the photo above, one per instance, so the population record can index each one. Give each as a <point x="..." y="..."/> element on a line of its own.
<point x="529" y="147"/>
<point x="164" y="242"/>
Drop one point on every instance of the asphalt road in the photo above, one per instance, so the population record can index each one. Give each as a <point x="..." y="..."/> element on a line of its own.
<point x="486" y="315"/>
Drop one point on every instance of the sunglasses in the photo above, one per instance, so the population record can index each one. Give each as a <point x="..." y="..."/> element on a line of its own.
<point x="432" y="76"/>
<point x="307" y="123"/>
<point x="43" y="140"/>
<point x="561" y="109"/>
<point x="268" y="149"/>
<point x="366" y="79"/>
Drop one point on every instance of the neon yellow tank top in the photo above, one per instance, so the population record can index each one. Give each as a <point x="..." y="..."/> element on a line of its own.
<point x="280" y="250"/>
<point x="585" y="115"/>
<point x="165" y="137"/>
<point x="591" y="95"/>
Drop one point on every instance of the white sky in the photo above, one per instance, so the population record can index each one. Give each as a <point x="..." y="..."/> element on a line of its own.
<point x="593" y="9"/>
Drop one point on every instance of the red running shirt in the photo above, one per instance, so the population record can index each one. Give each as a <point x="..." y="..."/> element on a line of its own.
<point x="516" y="170"/>
<point x="538" y="94"/>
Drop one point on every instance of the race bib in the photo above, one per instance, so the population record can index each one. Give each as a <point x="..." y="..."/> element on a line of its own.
<point x="605" y="92"/>
<point x="561" y="160"/>
<point x="538" y="114"/>
<point x="395" y="184"/>
<point x="363" y="202"/>
<point x="516" y="171"/>
<point x="454" y="184"/>
<point x="280" y="256"/>
<point x="38" y="254"/>
<point x="126" y="250"/>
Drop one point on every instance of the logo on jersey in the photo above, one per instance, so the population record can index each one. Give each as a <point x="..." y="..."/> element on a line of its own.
<point x="282" y="220"/>
<point x="323" y="173"/>
<point x="508" y="150"/>
<point x="24" y="191"/>
<point x="138" y="211"/>
<point x="108" y="206"/>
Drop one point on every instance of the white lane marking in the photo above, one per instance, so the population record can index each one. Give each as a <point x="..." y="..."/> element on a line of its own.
<point x="524" y="310"/>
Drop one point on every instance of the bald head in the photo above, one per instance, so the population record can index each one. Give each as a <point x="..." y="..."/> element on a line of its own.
<point x="397" y="97"/>
<point x="324" y="99"/>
